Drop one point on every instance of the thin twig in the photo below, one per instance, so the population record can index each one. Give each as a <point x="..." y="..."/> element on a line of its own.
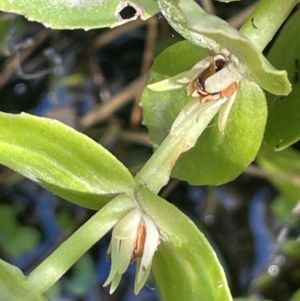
<point x="237" y="20"/>
<point x="9" y="69"/>
<point x="146" y="64"/>
<point x="112" y="34"/>
<point x="103" y="111"/>
<point x="278" y="176"/>
<point x="137" y="138"/>
<point x="208" y="6"/>
<point x="169" y="188"/>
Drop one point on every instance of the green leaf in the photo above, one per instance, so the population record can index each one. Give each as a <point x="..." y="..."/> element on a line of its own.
<point x="14" y="285"/>
<point x="62" y="160"/>
<point x="15" y="238"/>
<point x="283" y="170"/>
<point x="185" y="266"/>
<point x="296" y="296"/>
<point x="291" y="247"/>
<point x="284" y="113"/>
<point x="83" y="276"/>
<point x="250" y="299"/>
<point x="208" y="31"/>
<point x="70" y="14"/>
<point x="216" y="158"/>
<point x="227" y="1"/>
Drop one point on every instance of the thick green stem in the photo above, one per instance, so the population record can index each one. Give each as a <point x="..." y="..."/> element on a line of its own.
<point x="265" y="20"/>
<point x="184" y="133"/>
<point x="57" y="263"/>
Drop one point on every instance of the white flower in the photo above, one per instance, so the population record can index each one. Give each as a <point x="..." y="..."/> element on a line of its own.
<point x="135" y="237"/>
<point x="213" y="78"/>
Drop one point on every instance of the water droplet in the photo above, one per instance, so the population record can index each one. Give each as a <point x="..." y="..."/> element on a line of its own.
<point x="209" y="220"/>
<point x="273" y="270"/>
<point x="20" y="88"/>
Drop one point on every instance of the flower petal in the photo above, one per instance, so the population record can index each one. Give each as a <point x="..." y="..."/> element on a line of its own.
<point x="114" y="248"/>
<point x="222" y="79"/>
<point x="151" y="243"/>
<point x="124" y="228"/>
<point x="122" y="244"/>
<point x="129" y="226"/>
<point x="224" y="112"/>
<point x="177" y="81"/>
<point x="138" y="285"/>
<point x="115" y="282"/>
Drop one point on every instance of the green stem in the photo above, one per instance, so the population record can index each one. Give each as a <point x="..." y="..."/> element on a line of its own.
<point x="183" y="135"/>
<point x="265" y="20"/>
<point x="58" y="262"/>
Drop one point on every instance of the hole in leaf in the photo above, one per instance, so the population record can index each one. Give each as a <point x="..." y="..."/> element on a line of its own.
<point x="127" y="12"/>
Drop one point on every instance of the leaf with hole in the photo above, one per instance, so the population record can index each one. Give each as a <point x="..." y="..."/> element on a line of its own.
<point x="86" y="14"/>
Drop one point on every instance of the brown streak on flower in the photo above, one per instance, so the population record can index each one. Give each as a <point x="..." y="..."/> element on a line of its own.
<point x="139" y="243"/>
<point x="227" y="92"/>
<point x="198" y="84"/>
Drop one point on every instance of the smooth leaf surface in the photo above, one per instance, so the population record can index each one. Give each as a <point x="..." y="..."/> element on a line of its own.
<point x="62" y="160"/>
<point x="208" y="31"/>
<point x="185" y="266"/>
<point x="71" y="14"/>
<point x="284" y="113"/>
<point x="14" y="285"/>
<point x="216" y="158"/>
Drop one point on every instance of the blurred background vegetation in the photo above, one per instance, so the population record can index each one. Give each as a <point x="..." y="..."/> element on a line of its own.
<point x="92" y="81"/>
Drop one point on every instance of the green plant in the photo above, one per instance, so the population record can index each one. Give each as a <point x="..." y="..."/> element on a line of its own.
<point x="78" y="169"/>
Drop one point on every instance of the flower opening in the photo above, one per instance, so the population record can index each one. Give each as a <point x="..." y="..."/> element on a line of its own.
<point x="134" y="238"/>
<point x="213" y="78"/>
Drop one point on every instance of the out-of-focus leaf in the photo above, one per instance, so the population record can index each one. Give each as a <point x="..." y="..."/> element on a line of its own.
<point x="14" y="285"/>
<point x="291" y="247"/>
<point x="283" y="127"/>
<point x="15" y="238"/>
<point x="249" y="299"/>
<point x="185" y="266"/>
<point x="227" y="1"/>
<point x="208" y="31"/>
<point x="24" y="240"/>
<point x="70" y="14"/>
<point x="216" y="158"/>
<point x="65" y="218"/>
<point x="62" y="160"/>
<point x="296" y="296"/>
<point x="282" y="206"/>
<point x="83" y="276"/>
<point x="283" y="170"/>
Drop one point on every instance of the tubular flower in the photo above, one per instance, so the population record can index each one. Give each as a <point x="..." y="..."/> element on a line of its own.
<point x="213" y="78"/>
<point x="135" y="237"/>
